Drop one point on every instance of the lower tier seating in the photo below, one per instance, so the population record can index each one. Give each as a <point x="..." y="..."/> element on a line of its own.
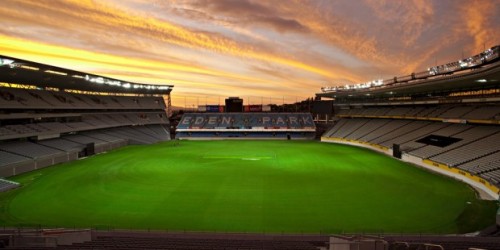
<point x="21" y="156"/>
<point x="476" y="151"/>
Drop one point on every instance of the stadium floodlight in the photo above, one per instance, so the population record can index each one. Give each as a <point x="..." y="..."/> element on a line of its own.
<point x="99" y="80"/>
<point x="4" y="61"/>
<point x="112" y="82"/>
<point x="481" y="80"/>
<point x="462" y="63"/>
<point x="78" y="76"/>
<point x="126" y="85"/>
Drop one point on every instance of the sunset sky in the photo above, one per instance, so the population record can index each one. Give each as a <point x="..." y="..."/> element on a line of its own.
<point x="252" y="49"/>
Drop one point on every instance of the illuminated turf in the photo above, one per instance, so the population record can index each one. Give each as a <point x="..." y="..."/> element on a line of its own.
<point x="251" y="186"/>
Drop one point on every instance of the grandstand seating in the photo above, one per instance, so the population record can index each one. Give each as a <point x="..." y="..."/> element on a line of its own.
<point x="470" y="134"/>
<point x="11" y="158"/>
<point x="62" y="144"/>
<point x="29" y="149"/>
<point x="139" y="135"/>
<point x="386" y="129"/>
<point x="41" y="99"/>
<point x="88" y="122"/>
<point x="39" y="128"/>
<point x="477" y="152"/>
<point x="102" y="136"/>
<point x="20" y="156"/>
<point x="471" y="151"/>
<point x="251" y="125"/>
<point x="494" y="174"/>
<point x="468" y="112"/>
<point x="482" y="164"/>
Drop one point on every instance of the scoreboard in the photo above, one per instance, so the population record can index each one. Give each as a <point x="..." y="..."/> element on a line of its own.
<point x="234" y="104"/>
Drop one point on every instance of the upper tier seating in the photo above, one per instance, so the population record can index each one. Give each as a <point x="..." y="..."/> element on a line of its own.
<point x="468" y="112"/>
<point x="11" y="98"/>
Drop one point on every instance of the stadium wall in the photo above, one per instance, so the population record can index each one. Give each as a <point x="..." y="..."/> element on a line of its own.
<point x="241" y="135"/>
<point x="38" y="163"/>
<point x="486" y="190"/>
<point x="372" y="146"/>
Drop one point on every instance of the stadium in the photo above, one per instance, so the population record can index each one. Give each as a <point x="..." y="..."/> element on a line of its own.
<point x="433" y="154"/>
<point x="97" y="157"/>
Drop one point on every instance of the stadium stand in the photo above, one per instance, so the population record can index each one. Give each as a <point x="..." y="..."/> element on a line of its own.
<point x="10" y="158"/>
<point x="29" y="149"/>
<point x="46" y="124"/>
<point x="445" y="119"/>
<point x="467" y="112"/>
<point x="41" y="99"/>
<point x="478" y="143"/>
<point x="246" y="125"/>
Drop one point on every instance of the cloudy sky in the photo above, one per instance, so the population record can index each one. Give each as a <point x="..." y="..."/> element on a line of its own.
<point x="255" y="49"/>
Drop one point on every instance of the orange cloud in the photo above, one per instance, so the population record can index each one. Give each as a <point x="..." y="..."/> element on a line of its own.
<point x="250" y="47"/>
<point x="409" y="18"/>
<point x="161" y="30"/>
<point x="478" y="23"/>
<point x="204" y="81"/>
<point x="73" y="58"/>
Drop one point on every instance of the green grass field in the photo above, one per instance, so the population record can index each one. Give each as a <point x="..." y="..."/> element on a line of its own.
<point x="245" y="186"/>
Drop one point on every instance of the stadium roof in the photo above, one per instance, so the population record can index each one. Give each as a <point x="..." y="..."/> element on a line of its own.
<point x="485" y="77"/>
<point x="15" y="70"/>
